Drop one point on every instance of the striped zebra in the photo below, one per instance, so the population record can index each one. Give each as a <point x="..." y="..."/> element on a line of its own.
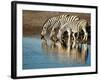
<point x="60" y="23"/>
<point x="49" y="24"/>
<point x="75" y="27"/>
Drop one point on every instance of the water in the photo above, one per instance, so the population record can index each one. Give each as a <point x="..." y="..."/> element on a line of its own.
<point x="37" y="55"/>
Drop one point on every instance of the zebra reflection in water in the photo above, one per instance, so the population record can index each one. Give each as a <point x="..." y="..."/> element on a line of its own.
<point x="74" y="52"/>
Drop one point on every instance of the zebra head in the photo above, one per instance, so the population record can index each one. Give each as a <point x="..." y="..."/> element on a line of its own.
<point x="43" y="32"/>
<point x="44" y="28"/>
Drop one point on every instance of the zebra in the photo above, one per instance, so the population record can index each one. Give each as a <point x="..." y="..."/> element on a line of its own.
<point x="50" y="22"/>
<point x="60" y="23"/>
<point x="75" y="27"/>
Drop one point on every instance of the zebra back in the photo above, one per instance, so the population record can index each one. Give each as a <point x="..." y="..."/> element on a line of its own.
<point x="70" y="18"/>
<point x="51" y="21"/>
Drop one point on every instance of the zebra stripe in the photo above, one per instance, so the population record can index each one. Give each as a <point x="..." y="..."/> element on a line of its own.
<point x="50" y="22"/>
<point x="75" y="27"/>
<point x="61" y="22"/>
<point x="70" y="18"/>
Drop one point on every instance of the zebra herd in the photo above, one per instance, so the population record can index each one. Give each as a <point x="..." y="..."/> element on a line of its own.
<point x="57" y="25"/>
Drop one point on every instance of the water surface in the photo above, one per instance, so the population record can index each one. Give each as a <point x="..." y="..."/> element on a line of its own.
<point x="37" y="55"/>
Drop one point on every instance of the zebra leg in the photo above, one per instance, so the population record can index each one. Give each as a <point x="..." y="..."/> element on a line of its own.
<point x="73" y="43"/>
<point x="85" y="34"/>
<point x="68" y="41"/>
<point x="69" y="33"/>
<point x="74" y="36"/>
<point x="77" y="35"/>
<point x="59" y="35"/>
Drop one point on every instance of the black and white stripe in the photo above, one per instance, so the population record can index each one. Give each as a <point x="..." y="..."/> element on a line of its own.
<point x="61" y="22"/>
<point x="75" y="27"/>
<point x="50" y="23"/>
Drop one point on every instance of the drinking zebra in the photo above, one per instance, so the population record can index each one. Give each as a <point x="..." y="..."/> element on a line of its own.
<point x="75" y="27"/>
<point x="49" y="24"/>
<point x="60" y="23"/>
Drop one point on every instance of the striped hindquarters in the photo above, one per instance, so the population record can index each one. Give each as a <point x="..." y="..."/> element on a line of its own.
<point x="76" y="26"/>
